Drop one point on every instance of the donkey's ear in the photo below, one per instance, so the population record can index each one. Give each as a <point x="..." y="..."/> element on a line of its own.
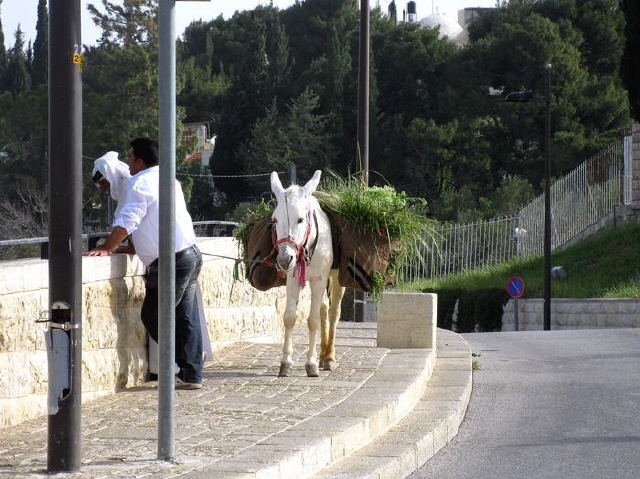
<point x="312" y="184"/>
<point x="276" y="185"/>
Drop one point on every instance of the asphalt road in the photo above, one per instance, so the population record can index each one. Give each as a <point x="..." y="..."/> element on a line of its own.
<point x="549" y="404"/>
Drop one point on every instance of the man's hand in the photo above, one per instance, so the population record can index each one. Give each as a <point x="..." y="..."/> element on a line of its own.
<point x="117" y="236"/>
<point x="98" y="251"/>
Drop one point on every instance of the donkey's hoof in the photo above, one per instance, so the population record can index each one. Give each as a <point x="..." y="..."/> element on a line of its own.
<point x="285" y="370"/>
<point x="312" y="370"/>
<point x="329" y="364"/>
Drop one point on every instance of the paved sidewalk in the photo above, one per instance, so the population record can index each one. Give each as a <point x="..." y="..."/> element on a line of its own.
<point x="248" y="423"/>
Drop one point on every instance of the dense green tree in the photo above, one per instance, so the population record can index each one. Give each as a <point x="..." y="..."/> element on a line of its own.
<point x="589" y="108"/>
<point x="597" y="24"/>
<point x="16" y="76"/>
<point x="39" y="65"/>
<point x="246" y="101"/>
<point x="24" y="164"/>
<point x="330" y="77"/>
<point x="299" y="139"/>
<point x="120" y="77"/>
<point x="200" y="87"/>
<point x="309" y="20"/>
<point x="127" y="23"/>
<point x="309" y="142"/>
<point x="3" y="50"/>
<point x="265" y="150"/>
<point x="407" y="60"/>
<point x="630" y="68"/>
<point x="278" y="58"/>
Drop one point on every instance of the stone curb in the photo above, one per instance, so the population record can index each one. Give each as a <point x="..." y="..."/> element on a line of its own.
<point x="341" y="430"/>
<point x="426" y="429"/>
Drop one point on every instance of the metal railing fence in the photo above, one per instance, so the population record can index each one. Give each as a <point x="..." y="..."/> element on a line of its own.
<point x="463" y="247"/>
<point x="39" y="247"/>
<point x="578" y="200"/>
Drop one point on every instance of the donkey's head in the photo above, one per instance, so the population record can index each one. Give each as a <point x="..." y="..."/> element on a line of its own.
<point x="292" y="219"/>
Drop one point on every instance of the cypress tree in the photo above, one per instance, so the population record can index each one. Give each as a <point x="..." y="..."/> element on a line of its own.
<point x="39" y="67"/>
<point x="3" y="52"/>
<point x="630" y="67"/>
<point x="16" y="77"/>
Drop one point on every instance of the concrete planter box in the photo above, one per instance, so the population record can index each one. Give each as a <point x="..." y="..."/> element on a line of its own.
<point x="407" y="320"/>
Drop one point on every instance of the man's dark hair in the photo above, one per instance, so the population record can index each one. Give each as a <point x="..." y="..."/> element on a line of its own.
<point x="147" y="149"/>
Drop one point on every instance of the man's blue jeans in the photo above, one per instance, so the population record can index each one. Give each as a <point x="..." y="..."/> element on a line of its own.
<point x="188" y="334"/>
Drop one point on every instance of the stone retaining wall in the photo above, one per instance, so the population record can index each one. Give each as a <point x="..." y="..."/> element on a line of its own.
<point x="573" y="314"/>
<point x="114" y="341"/>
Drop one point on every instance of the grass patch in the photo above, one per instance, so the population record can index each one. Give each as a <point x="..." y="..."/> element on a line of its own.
<point x="605" y="265"/>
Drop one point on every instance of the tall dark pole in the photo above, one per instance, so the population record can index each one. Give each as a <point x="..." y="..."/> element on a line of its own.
<point x="64" y="337"/>
<point x="363" y="124"/>
<point x="547" y="203"/>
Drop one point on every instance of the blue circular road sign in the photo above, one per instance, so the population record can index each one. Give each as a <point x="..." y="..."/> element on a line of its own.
<point x="515" y="287"/>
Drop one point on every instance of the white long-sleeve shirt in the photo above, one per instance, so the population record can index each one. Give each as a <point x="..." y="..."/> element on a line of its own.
<point x="139" y="215"/>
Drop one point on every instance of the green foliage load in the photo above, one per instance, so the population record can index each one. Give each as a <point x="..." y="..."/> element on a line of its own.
<point x="379" y="209"/>
<point x="384" y="212"/>
<point x="252" y="214"/>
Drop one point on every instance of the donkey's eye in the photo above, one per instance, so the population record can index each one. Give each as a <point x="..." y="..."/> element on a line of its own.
<point x="300" y="220"/>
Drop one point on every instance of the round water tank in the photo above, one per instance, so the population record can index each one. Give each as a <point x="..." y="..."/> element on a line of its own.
<point x="411" y="8"/>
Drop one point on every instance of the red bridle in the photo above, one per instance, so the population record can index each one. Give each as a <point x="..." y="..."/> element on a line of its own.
<point x="302" y="253"/>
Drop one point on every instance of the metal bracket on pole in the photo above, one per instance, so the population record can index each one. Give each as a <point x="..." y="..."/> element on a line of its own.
<point x="59" y="353"/>
<point x="60" y="310"/>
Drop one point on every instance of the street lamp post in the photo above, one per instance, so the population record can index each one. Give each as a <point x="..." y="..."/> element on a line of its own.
<point x="525" y="96"/>
<point x="359" y="298"/>
<point x="547" y="203"/>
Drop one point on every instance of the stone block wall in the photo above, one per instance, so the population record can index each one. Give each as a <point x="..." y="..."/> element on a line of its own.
<point x="573" y="314"/>
<point x="114" y="341"/>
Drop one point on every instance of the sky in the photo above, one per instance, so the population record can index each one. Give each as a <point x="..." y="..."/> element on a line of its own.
<point x="24" y="12"/>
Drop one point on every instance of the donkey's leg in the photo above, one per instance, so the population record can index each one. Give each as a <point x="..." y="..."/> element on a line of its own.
<point x="324" y="330"/>
<point x="336" y="292"/>
<point x="317" y="286"/>
<point x="289" y="319"/>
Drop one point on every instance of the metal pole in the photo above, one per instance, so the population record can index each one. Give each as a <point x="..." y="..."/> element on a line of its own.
<point x="363" y="125"/>
<point x="65" y="235"/>
<point x="547" y="204"/>
<point x="293" y="174"/>
<point x="167" y="240"/>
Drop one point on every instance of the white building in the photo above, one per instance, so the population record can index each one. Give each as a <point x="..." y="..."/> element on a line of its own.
<point x="204" y="144"/>
<point x="453" y="29"/>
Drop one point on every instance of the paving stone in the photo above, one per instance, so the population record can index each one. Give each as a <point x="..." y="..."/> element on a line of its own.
<point x="248" y="423"/>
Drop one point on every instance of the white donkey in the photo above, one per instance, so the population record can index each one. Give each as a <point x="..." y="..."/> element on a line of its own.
<point x="305" y="254"/>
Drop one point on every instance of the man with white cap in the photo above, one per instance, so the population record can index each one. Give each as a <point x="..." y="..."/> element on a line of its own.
<point x="139" y="217"/>
<point x="111" y="176"/>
